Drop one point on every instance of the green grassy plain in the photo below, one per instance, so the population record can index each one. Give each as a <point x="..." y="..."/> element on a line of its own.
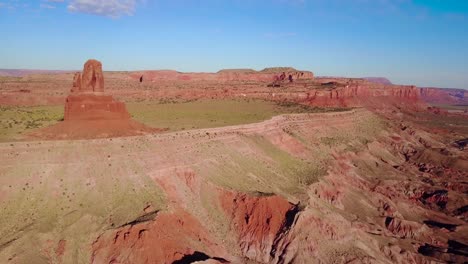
<point x="210" y="113"/>
<point x="174" y="115"/>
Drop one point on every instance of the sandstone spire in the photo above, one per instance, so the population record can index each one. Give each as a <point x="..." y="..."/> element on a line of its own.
<point x="91" y="80"/>
<point x="87" y="100"/>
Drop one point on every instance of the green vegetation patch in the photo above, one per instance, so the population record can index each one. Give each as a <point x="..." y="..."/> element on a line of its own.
<point x="212" y="113"/>
<point x="262" y="170"/>
<point x="16" y="121"/>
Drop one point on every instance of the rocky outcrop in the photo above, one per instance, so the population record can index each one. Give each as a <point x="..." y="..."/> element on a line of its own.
<point x="175" y="237"/>
<point x="259" y="222"/>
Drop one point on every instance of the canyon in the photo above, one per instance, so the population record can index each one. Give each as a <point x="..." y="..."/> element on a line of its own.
<point x="366" y="174"/>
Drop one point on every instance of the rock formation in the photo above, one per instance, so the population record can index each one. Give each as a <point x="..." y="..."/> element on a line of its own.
<point x="87" y="100"/>
<point x="358" y="94"/>
<point x="91" y="113"/>
<point x="92" y="79"/>
<point x="444" y="96"/>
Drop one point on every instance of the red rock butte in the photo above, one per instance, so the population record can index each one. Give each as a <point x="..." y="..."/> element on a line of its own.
<point x="91" y="113"/>
<point x="87" y="100"/>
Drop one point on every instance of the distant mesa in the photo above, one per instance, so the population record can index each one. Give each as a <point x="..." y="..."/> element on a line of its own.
<point x="379" y="80"/>
<point x="450" y="96"/>
<point x="91" y="113"/>
<point x="278" y="70"/>
<point x="266" y="75"/>
<point x="237" y="70"/>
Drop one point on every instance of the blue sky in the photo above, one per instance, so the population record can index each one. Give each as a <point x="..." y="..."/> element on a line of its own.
<point x="421" y="42"/>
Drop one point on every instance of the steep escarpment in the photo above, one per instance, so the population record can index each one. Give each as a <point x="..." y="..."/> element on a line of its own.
<point x="355" y="93"/>
<point x="172" y="237"/>
<point x="258" y="221"/>
<point x="444" y="96"/>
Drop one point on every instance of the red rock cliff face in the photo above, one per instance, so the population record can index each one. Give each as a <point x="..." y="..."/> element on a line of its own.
<point x="94" y="107"/>
<point x="444" y="96"/>
<point x="175" y="237"/>
<point x="356" y="95"/>
<point x="258" y="222"/>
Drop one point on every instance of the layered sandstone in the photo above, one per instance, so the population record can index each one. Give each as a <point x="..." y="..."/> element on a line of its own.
<point x="357" y="94"/>
<point x="444" y="96"/>
<point x="87" y="100"/>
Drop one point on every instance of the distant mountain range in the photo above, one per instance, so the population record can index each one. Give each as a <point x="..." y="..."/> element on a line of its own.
<point x="21" y="73"/>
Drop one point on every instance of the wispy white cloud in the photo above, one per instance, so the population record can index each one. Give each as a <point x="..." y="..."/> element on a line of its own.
<point x="108" y="8"/>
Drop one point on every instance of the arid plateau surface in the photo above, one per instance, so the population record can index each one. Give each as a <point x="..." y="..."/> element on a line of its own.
<point x="239" y="166"/>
